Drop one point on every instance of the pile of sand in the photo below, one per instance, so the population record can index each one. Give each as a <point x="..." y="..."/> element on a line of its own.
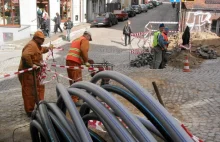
<point x="198" y="39"/>
<point x="177" y="59"/>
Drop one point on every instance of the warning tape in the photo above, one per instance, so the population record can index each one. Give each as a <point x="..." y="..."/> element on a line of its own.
<point x="16" y="73"/>
<point x="169" y="31"/>
<point x="81" y="67"/>
<point x="139" y="34"/>
<point x="195" y="139"/>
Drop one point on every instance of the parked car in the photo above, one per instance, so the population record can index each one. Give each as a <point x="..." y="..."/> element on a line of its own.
<point x="157" y="2"/>
<point x="137" y="8"/>
<point x="154" y="3"/>
<point x="121" y="15"/>
<point x="149" y="5"/>
<point x="131" y="12"/>
<point x="144" y="8"/>
<point x="105" y="19"/>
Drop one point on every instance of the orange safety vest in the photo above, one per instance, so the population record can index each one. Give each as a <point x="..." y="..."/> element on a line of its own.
<point x="165" y="37"/>
<point x="74" y="53"/>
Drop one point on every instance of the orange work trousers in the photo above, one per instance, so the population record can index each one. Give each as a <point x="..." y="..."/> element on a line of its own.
<point x="27" y="83"/>
<point x="74" y="74"/>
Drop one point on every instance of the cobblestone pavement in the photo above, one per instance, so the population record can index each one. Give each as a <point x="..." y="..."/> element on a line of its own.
<point x="191" y="97"/>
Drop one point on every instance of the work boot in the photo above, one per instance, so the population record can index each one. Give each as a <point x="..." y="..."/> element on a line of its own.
<point x="79" y="103"/>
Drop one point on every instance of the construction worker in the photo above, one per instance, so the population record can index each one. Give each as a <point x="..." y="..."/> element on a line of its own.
<point x="32" y="57"/>
<point x="157" y="51"/>
<point x="164" y="49"/>
<point x="77" y="56"/>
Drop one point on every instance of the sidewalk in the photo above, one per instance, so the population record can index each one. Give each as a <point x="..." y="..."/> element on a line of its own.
<point x="55" y="38"/>
<point x="10" y="53"/>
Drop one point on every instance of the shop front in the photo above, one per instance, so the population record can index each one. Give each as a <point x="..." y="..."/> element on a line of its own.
<point x="19" y="19"/>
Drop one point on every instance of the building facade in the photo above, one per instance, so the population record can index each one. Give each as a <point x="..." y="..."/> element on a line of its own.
<point x="18" y="18"/>
<point x="201" y="15"/>
<point x="94" y="7"/>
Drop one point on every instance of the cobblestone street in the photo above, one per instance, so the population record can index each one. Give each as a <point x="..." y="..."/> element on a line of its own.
<point x="193" y="98"/>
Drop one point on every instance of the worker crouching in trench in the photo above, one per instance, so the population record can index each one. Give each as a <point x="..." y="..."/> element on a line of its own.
<point x="31" y="58"/>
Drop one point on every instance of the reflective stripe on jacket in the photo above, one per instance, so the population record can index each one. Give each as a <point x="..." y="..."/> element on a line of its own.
<point x="74" y="53"/>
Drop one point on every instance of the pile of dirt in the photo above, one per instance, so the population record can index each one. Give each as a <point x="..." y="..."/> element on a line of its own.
<point x="198" y="39"/>
<point x="177" y="59"/>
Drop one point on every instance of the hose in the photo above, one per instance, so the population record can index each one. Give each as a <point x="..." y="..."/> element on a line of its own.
<point x="93" y="116"/>
<point x="35" y="127"/>
<point x="74" y="114"/>
<point x="157" y="114"/>
<point x="95" y="137"/>
<point x="146" y="123"/>
<point x="46" y="123"/>
<point x="103" y="113"/>
<point x="62" y="118"/>
<point x="136" y="127"/>
<point x="64" y="133"/>
<point x="132" y="99"/>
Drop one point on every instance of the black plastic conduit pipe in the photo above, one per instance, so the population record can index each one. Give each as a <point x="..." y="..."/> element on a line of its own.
<point x="136" y="127"/>
<point x="76" y="118"/>
<point x="46" y="122"/>
<point x="62" y="118"/>
<point x="156" y="110"/>
<point x="132" y="99"/>
<point x="104" y="113"/>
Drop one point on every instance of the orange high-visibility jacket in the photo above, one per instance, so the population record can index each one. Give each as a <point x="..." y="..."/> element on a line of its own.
<point x="75" y="53"/>
<point x="165" y="37"/>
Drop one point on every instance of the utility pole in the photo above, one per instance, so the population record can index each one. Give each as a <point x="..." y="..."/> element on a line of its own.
<point x="180" y="16"/>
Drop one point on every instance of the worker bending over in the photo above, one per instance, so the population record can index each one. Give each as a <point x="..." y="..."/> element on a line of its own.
<point x="77" y="56"/>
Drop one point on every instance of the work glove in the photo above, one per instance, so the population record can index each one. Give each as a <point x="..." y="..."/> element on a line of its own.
<point x="87" y="64"/>
<point x="51" y="47"/>
<point x="36" y="66"/>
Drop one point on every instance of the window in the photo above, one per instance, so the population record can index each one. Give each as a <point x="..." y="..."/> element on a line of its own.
<point x="65" y="9"/>
<point x="94" y="6"/>
<point x="9" y="13"/>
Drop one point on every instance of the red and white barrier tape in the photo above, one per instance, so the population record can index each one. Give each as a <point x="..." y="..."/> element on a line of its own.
<point x="16" y="73"/>
<point x="169" y="31"/>
<point x="139" y="34"/>
<point x="75" y="67"/>
<point x="194" y="138"/>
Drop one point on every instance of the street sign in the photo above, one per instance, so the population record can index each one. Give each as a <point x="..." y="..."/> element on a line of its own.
<point x="174" y="0"/>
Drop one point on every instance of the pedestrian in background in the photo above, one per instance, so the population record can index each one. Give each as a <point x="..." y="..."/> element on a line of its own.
<point x="39" y="17"/>
<point x="164" y="49"/>
<point x="127" y="33"/>
<point x="57" y="23"/>
<point x="186" y="36"/>
<point x="158" y="43"/>
<point x="31" y="58"/>
<point x="69" y="25"/>
<point x="77" y="56"/>
<point x="47" y="25"/>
